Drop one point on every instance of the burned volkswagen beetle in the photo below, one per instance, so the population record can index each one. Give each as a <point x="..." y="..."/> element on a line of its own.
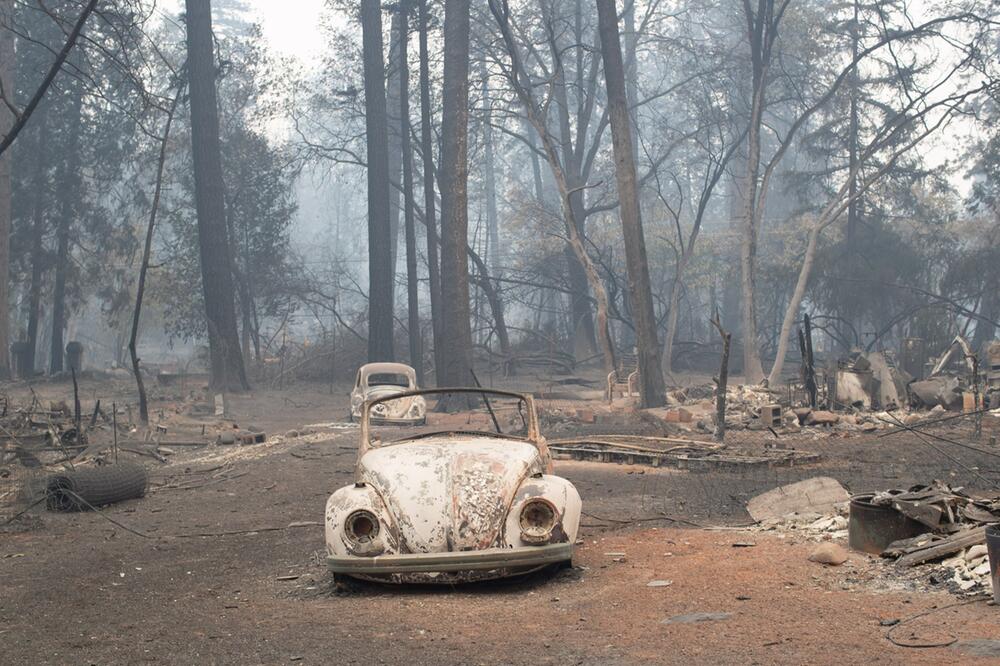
<point x="378" y="380"/>
<point x="468" y="496"/>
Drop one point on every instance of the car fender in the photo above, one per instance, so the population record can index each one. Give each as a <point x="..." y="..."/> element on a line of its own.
<point x="346" y="501"/>
<point x="561" y="494"/>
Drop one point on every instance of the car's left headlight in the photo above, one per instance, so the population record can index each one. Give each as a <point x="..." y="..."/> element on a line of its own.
<point x="362" y="529"/>
<point x="538" y="518"/>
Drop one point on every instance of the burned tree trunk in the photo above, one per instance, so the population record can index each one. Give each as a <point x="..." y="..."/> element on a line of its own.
<point x="808" y="366"/>
<point x="489" y="177"/>
<point x="427" y="150"/>
<point x="380" y="278"/>
<point x="40" y="186"/>
<point x="393" y="100"/>
<point x="69" y="193"/>
<point x="140" y="289"/>
<point x="7" y="68"/>
<point x="413" y="304"/>
<point x="652" y="392"/>
<point x="722" y="381"/>
<point x="227" y="369"/>
<point x="456" y="332"/>
<point x="761" y="33"/>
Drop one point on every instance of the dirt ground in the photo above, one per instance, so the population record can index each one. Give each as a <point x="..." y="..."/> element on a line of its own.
<point x="79" y="589"/>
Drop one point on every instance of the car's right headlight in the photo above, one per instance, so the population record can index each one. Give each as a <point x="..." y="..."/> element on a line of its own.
<point x="538" y="518"/>
<point x="380" y="409"/>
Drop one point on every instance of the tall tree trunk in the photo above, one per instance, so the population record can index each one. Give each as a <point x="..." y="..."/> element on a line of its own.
<point x="427" y="149"/>
<point x="585" y="337"/>
<point x="753" y="371"/>
<point x="761" y="34"/>
<point x="413" y="303"/>
<point x="227" y="370"/>
<point x="731" y="307"/>
<point x="581" y="312"/>
<point x="393" y="95"/>
<point x="380" y="276"/>
<point x="133" y="342"/>
<point x="69" y="196"/>
<point x="536" y="167"/>
<point x="489" y="176"/>
<point x="853" y="211"/>
<point x="631" y="45"/>
<point x="652" y="392"/>
<point x="40" y="185"/>
<point x="456" y="331"/>
<point x="7" y="69"/>
<point x="59" y="294"/>
<point x="673" y="314"/>
<point x="791" y="312"/>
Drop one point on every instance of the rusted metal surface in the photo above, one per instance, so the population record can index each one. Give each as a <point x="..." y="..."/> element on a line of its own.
<point x="448" y="493"/>
<point x="871" y="528"/>
<point x="452" y="497"/>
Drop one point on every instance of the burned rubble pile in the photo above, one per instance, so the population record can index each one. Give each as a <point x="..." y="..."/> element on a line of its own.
<point x="927" y="524"/>
<point x="81" y="454"/>
<point x="34" y="435"/>
<point x="865" y="392"/>
<point x="927" y="534"/>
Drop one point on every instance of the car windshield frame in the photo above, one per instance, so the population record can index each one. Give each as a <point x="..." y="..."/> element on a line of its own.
<point x="533" y="435"/>
<point x="376" y="380"/>
<point x="369" y="370"/>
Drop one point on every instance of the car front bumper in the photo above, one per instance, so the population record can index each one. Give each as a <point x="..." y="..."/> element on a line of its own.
<point x="468" y="560"/>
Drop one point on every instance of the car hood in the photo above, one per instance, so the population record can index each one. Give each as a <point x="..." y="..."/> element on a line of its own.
<point x="451" y="492"/>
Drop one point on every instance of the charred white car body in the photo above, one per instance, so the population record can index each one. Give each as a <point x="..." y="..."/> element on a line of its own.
<point x="453" y="505"/>
<point x="380" y="380"/>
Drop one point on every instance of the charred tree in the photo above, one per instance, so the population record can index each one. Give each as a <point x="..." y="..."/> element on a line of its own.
<point x="227" y="369"/>
<point x="38" y="258"/>
<point x="652" y="391"/>
<point x="412" y="300"/>
<point x="489" y="177"/>
<point x="430" y="205"/>
<point x="7" y="69"/>
<point x="380" y="277"/>
<point x="762" y="31"/>
<point x="394" y="97"/>
<point x="456" y="332"/>
<point x="140" y="289"/>
<point x="722" y="381"/>
<point x="69" y="195"/>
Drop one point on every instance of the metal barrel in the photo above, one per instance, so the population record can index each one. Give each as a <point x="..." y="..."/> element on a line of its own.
<point x="871" y="527"/>
<point x="993" y="548"/>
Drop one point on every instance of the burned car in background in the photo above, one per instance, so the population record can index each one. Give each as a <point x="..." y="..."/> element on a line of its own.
<point x="470" y="496"/>
<point x="380" y="380"/>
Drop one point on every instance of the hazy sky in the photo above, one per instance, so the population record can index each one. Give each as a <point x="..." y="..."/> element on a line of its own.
<point x="292" y="27"/>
